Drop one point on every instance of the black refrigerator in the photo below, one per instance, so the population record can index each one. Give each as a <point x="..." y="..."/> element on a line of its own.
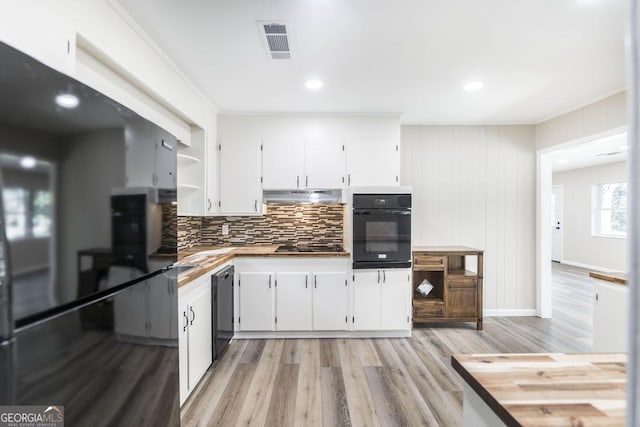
<point x="88" y="294"/>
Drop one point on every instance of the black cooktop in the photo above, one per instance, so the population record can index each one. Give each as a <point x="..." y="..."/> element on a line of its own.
<point x="291" y="248"/>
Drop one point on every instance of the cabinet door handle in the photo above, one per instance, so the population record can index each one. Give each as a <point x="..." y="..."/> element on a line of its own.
<point x="315" y="281"/>
<point x="306" y="282"/>
<point x="384" y="277"/>
<point x="209" y="202"/>
<point x="298" y="181"/>
<point x="348" y="179"/>
<point x="306" y="181"/>
<point x="378" y="276"/>
<point x="597" y="298"/>
<point x="193" y="317"/>
<point x="186" y="321"/>
<point x="269" y="281"/>
<point x="255" y="205"/>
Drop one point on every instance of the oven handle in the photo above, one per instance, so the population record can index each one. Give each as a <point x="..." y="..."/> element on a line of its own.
<point x="381" y="212"/>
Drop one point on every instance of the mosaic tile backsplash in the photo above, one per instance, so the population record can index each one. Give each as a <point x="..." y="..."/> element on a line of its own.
<point x="299" y="224"/>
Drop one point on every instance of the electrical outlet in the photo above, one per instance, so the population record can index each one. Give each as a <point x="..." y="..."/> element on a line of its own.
<point x="225" y="229"/>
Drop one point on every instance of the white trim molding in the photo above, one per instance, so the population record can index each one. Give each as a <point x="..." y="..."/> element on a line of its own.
<point x="510" y="312"/>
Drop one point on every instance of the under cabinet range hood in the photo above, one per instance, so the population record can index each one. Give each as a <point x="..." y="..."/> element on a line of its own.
<point x="302" y="196"/>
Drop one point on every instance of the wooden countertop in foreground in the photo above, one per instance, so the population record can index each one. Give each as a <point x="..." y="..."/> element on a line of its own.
<point x="204" y="263"/>
<point x="549" y="389"/>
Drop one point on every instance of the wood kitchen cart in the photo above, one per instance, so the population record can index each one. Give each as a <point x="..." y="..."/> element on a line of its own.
<point x="457" y="292"/>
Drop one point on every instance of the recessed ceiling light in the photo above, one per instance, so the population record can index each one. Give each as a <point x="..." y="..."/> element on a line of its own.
<point x="67" y="100"/>
<point x="474" y="85"/>
<point x="313" y="84"/>
<point x="28" y="162"/>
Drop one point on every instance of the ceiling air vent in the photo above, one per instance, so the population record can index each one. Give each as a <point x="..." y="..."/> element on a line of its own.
<point x="276" y="38"/>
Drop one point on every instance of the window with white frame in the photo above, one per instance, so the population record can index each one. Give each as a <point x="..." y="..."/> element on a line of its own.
<point x="610" y="209"/>
<point x="27" y="213"/>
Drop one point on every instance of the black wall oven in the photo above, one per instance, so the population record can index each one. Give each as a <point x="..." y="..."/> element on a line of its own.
<point x="381" y="230"/>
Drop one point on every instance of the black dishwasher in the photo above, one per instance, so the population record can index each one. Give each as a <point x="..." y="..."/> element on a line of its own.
<point x="222" y="306"/>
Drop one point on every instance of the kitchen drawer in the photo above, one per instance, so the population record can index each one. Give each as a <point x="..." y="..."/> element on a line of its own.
<point x="427" y="308"/>
<point x="462" y="282"/>
<point x="429" y="262"/>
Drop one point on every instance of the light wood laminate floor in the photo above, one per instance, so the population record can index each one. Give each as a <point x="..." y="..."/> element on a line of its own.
<point x="385" y="382"/>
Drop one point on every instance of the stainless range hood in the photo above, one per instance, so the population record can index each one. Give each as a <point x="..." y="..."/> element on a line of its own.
<point x="302" y="196"/>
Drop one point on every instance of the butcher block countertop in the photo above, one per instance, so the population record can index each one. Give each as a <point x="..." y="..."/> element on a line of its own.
<point x="204" y="263"/>
<point x="549" y="389"/>
<point x="462" y="250"/>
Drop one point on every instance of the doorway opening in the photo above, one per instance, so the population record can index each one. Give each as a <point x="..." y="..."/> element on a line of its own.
<point x="569" y="178"/>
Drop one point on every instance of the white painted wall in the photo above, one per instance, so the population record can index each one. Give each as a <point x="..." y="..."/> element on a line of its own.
<point x="608" y="113"/>
<point x="580" y="247"/>
<point x="600" y="119"/>
<point x="475" y="186"/>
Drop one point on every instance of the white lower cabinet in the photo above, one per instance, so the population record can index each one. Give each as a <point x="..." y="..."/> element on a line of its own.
<point x="130" y="312"/>
<point x="194" y="302"/>
<point x="315" y="294"/>
<point x="382" y="299"/>
<point x="610" y="318"/>
<point x="293" y="299"/>
<point x="145" y="310"/>
<point x="256" y="301"/>
<point x="162" y="310"/>
<point x="330" y="301"/>
<point x="293" y="295"/>
<point x="395" y="292"/>
<point x="366" y="300"/>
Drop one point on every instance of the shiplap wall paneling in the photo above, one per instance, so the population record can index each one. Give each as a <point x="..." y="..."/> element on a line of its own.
<point x="475" y="186"/>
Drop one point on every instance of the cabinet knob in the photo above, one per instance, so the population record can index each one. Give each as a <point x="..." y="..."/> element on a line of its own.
<point x="597" y="297"/>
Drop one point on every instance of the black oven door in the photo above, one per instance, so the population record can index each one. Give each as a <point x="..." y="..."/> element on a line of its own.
<point x="381" y="238"/>
<point x="129" y="231"/>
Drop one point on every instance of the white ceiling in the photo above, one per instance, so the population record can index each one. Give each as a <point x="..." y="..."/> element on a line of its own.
<point x="538" y="58"/>
<point x="598" y="152"/>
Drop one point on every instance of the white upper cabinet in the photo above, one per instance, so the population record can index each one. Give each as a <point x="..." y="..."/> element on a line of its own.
<point x="240" y="164"/>
<point x="240" y="187"/>
<point x="284" y="152"/>
<point x="324" y="163"/>
<point x="41" y="33"/>
<point x="373" y="152"/>
<point x="303" y="162"/>
<point x="282" y="163"/>
<point x="151" y="155"/>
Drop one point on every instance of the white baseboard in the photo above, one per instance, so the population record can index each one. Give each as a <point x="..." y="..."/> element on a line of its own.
<point x="510" y="312"/>
<point x="321" y="334"/>
<point x="588" y="267"/>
